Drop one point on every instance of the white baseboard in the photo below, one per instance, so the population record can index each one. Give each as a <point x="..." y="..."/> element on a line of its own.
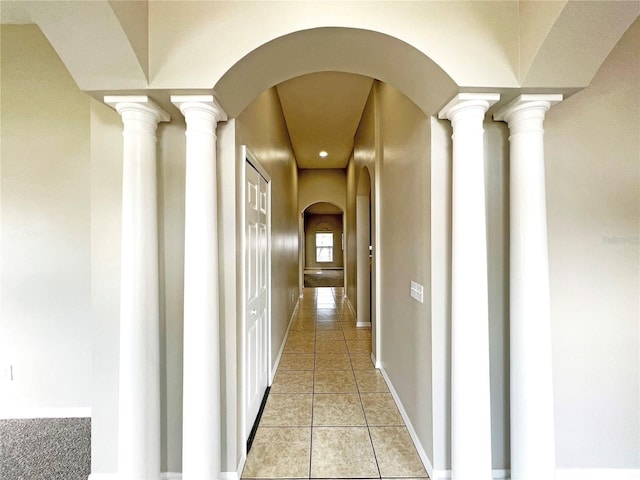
<point x="163" y="476"/>
<point x="10" y="413"/>
<point x="501" y="474"/>
<point x="597" y="474"/>
<point x="446" y="474"/>
<point x="363" y="324"/>
<point x="412" y="432"/>
<point x="238" y="473"/>
<point x="351" y="309"/>
<point x="433" y="473"/>
<point x="284" y="341"/>
<point x="375" y="362"/>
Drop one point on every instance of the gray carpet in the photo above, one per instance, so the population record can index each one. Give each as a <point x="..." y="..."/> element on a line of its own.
<point x="326" y="278"/>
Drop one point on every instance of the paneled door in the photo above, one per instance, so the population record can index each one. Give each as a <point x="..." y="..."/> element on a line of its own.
<point x="257" y="291"/>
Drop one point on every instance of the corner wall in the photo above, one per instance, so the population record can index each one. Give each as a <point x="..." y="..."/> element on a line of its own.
<point x="592" y="154"/>
<point x="45" y="317"/>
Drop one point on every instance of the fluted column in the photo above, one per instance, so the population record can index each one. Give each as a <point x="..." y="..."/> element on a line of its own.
<point x="470" y="382"/>
<point x="139" y="380"/>
<point x="201" y="377"/>
<point x="532" y="419"/>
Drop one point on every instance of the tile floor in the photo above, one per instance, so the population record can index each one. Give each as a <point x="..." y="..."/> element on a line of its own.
<point x="330" y="413"/>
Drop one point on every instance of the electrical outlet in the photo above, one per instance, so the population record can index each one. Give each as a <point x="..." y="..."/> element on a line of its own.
<point x="417" y="292"/>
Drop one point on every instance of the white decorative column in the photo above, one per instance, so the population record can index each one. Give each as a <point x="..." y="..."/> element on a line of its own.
<point x="532" y="419"/>
<point x="470" y="382"/>
<point x="139" y="380"/>
<point x="201" y="377"/>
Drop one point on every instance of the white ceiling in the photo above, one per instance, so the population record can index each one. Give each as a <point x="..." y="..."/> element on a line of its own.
<point x="322" y="111"/>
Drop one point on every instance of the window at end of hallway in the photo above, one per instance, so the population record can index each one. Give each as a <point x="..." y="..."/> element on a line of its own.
<point x="324" y="247"/>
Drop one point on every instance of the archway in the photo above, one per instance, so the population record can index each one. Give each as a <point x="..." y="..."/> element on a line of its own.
<point x="322" y="245"/>
<point x="336" y="49"/>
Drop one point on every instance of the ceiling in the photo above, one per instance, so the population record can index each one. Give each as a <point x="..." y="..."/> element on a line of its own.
<point x="322" y="111"/>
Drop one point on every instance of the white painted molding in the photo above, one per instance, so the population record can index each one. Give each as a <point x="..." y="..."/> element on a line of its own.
<point x="351" y="309"/>
<point x="9" y="413"/>
<point x="230" y="476"/>
<point x="374" y="361"/>
<point x="284" y="341"/>
<point x="412" y="432"/>
<point x="597" y="474"/>
<point x="446" y="474"/>
<point x="437" y="474"/>
<point x="501" y="474"/>
<point x="238" y="474"/>
<point x="363" y="324"/>
<point x="163" y="476"/>
<point x="170" y="476"/>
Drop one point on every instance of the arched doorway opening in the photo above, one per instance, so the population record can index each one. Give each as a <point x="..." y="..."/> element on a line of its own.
<point x="323" y="245"/>
<point x="361" y="184"/>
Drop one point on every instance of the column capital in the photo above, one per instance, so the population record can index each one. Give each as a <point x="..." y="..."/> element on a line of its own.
<point x="138" y="104"/>
<point x="468" y="102"/>
<point x="540" y="103"/>
<point x="203" y="104"/>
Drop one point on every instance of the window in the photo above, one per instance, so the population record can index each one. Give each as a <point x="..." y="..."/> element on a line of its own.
<point x="324" y="247"/>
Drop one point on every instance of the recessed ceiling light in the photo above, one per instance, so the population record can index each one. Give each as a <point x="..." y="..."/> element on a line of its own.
<point x="323" y="154"/>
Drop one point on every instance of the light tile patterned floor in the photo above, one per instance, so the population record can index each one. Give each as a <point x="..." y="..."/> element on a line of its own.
<point x="330" y="413"/>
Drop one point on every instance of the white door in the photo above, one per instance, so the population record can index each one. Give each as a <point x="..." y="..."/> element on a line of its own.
<point x="257" y="292"/>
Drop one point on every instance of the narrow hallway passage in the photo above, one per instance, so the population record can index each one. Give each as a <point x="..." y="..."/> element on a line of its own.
<point x="329" y="413"/>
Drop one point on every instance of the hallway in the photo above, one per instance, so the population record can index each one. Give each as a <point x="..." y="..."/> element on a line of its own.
<point x="329" y="412"/>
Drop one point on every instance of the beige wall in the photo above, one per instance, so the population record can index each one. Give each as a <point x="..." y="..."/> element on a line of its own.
<point x="45" y="289"/>
<point x="364" y="156"/>
<point x="318" y="222"/>
<point x="405" y="324"/>
<point x="321" y="185"/>
<point x="592" y="143"/>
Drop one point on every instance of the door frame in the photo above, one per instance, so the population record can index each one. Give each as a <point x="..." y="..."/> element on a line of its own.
<point x="247" y="157"/>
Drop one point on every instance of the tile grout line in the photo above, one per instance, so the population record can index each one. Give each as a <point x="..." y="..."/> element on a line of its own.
<point x="375" y="457"/>
<point x="313" y="387"/>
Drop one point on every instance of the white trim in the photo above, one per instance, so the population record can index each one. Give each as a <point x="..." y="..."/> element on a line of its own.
<point x="284" y="341"/>
<point x="374" y="361"/>
<point x="363" y="324"/>
<point x="351" y="309"/>
<point x="103" y="476"/>
<point x="438" y="474"/>
<point x="412" y="432"/>
<point x="501" y="474"/>
<point x="597" y="474"/>
<point x="238" y="474"/>
<point x="44" y="412"/>
<point x="170" y="476"/>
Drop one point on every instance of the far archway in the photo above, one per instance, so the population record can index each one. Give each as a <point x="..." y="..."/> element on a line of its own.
<point x="323" y="245"/>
